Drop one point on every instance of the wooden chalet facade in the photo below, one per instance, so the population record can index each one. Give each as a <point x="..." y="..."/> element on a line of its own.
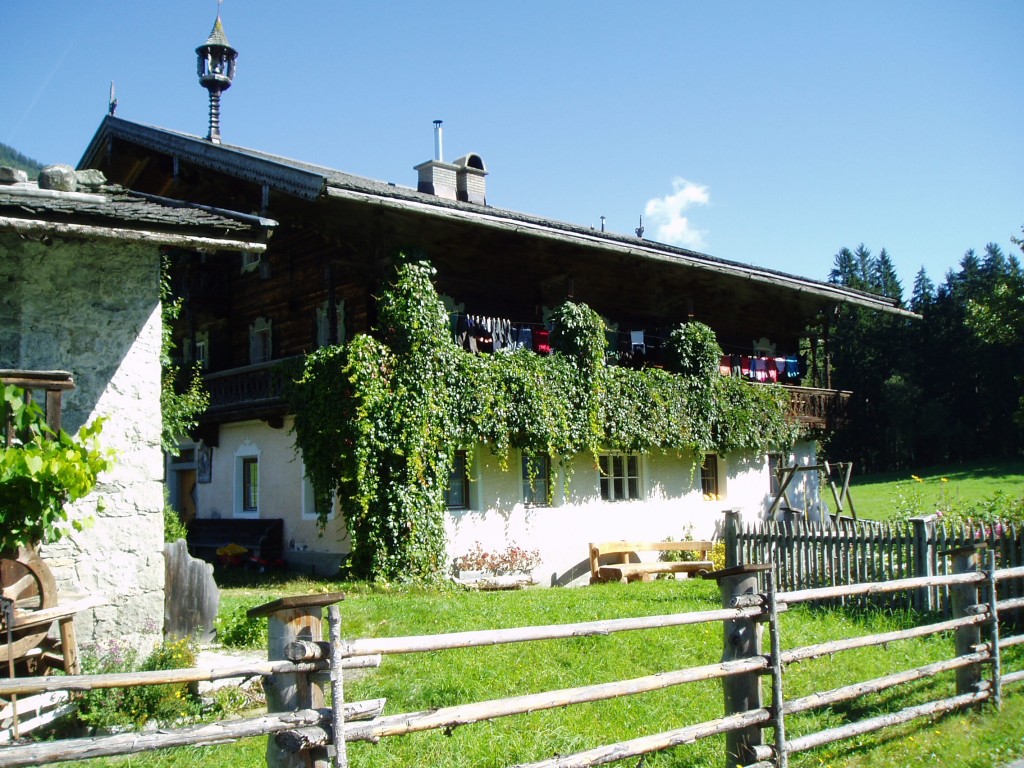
<point x="336" y="244"/>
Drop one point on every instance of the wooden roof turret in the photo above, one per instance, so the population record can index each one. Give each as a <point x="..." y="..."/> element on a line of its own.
<point x="216" y="68"/>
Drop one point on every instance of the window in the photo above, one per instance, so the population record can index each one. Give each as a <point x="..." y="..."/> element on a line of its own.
<point x="202" y="349"/>
<point x="186" y="455"/>
<point x="456" y="496"/>
<point x="260" y="349"/>
<point x="774" y="470"/>
<point x="323" y="324"/>
<point x="247" y="481"/>
<point x="251" y="484"/>
<point x="620" y="476"/>
<point x="310" y="508"/>
<point x="250" y="261"/>
<point x="536" y="479"/>
<point x="709" y="485"/>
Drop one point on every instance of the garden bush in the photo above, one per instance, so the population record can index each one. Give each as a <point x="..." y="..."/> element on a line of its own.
<point x="127" y="708"/>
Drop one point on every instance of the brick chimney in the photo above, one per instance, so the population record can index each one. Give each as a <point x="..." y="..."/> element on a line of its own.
<point x="436" y="176"/>
<point x="470" y="186"/>
<point x="461" y="180"/>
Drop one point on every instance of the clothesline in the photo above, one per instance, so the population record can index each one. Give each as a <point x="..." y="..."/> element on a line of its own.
<point x="761" y="367"/>
<point x="478" y="333"/>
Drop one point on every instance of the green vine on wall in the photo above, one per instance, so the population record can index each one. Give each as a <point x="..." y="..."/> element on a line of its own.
<point x="378" y="420"/>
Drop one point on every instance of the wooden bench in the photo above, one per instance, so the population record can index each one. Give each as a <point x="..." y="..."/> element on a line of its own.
<point x="263" y="537"/>
<point x="621" y="569"/>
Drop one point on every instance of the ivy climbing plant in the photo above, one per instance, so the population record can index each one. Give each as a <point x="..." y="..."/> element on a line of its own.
<point x="378" y="420"/>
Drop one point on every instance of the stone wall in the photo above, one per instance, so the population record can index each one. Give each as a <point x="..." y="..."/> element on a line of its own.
<point x="92" y="308"/>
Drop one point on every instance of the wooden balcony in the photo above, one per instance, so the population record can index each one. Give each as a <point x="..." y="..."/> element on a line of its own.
<point x="257" y="392"/>
<point x="818" y="409"/>
<point x="249" y="392"/>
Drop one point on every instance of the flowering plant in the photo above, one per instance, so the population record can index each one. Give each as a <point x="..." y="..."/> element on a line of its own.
<point x="514" y="559"/>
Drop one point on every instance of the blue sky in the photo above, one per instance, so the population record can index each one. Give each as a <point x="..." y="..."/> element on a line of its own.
<point x="771" y="133"/>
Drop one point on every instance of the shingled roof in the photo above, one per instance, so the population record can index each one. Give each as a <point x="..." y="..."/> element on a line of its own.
<point x="115" y="213"/>
<point x="310" y="181"/>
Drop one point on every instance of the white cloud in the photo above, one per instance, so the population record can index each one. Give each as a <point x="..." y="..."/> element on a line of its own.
<point x="665" y="214"/>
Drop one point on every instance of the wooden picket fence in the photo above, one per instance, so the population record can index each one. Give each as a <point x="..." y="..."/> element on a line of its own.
<point x="834" y="553"/>
<point x="305" y="731"/>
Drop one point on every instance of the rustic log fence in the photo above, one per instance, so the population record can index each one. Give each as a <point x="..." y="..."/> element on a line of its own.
<point x="305" y="732"/>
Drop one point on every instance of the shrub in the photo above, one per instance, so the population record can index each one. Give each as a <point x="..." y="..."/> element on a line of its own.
<point x="174" y="529"/>
<point x="952" y="509"/>
<point x="514" y="559"/>
<point x="239" y="630"/>
<point x="134" y="707"/>
<point x="693" y="350"/>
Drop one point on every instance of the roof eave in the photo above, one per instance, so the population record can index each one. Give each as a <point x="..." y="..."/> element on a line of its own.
<point x="218" y="157"/>
<point x="40" y="227"/>
<point x="486" y="217"/>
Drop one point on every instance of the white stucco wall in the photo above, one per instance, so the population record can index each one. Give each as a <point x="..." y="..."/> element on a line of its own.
<point x="282" y="493"/>
<point x="672" y="504"/>
<point x="93" y="309"/>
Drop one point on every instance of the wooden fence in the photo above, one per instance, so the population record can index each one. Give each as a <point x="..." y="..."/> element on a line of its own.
<point x="811" y="554"/>
<point x="306" y="732"/>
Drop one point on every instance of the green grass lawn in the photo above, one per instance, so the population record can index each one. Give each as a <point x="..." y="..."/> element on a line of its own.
<point x="878" y="496"/>
<point x="420" y="681"/>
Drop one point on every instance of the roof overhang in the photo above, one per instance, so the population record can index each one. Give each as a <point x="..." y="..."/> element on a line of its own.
<point x="310" y="182"/>
<point x="28" y="227"/>
<point x="633" y="248"/>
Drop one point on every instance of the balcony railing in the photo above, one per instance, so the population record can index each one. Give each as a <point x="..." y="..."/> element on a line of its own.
<point x="255" y="390"/>
<point x="815" y="409"/>
<point x="252" y="390"/>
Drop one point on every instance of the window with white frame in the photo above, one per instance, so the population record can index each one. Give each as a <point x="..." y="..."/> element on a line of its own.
<point x="247" y="481"/>
<point x="260" y="338"/>
<point x="456" y="495"/>
<point x="774" y="473"/>
<point x="711" y="485"/>
<point x="323" y="324"/>
<point x="536" y="480"/>
<point x="311" y="509"/>
<point x="201" y="346"/>
<point x="619" y="476"/>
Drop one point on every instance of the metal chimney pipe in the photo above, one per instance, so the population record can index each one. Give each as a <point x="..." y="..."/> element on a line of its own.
<point x="438" y="142"/>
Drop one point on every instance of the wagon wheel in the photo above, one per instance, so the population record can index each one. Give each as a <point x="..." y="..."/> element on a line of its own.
<point x="28" y="581"/>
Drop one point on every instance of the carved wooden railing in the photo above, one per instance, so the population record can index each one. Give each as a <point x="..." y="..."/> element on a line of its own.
<point x="261" y="386"/>
<point x="814" y="408"/>
<point x="256" y="386"/>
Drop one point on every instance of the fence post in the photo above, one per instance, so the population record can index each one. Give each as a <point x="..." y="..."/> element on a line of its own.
<point x="290" y="619"/>
<point x="997" y="665"/>
<point x="964" y="601"/>
<point x="742" y="640"/>
<point x="733" y="554"/>
<point x="924" y="559"/>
